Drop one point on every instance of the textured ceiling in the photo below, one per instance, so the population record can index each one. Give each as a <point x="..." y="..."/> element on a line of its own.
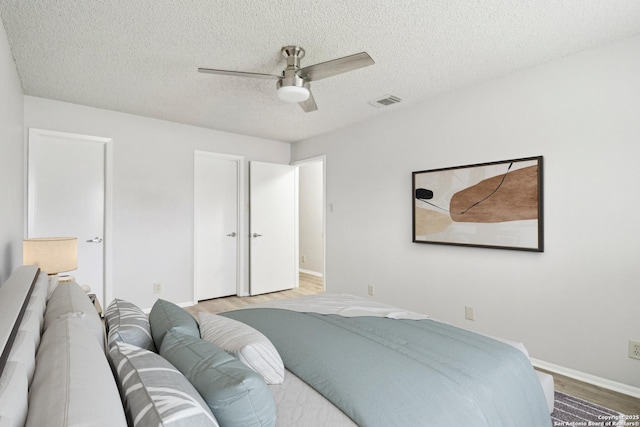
<point x="141" y="56"/>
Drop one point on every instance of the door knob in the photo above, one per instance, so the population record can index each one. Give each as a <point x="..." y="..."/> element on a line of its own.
<point x="256" y="235"/>
<point x="232" y="234"/>
<point x="95" y="240"/>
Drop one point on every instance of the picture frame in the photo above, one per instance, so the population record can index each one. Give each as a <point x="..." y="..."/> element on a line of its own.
<point x="495" y="205"/>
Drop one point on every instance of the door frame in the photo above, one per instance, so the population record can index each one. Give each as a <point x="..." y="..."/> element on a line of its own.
<point x="241" y="288"/>
<point x="323" y="159"/>
<point x="108" y="198"/>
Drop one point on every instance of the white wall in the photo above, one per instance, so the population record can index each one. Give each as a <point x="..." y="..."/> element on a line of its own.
<point x="311" y="200"/>
<point x="11" y="162"/>
<point x="576" y="304"/>
<point x="152" y="190"/>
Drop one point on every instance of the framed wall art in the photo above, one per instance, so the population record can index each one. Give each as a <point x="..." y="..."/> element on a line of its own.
<point x="489" y="205"/>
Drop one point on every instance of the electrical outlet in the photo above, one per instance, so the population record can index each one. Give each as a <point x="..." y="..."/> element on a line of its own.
<point x="304" y="259"/>
<point x="634" y="349"/>
<point x="468" y="313"/>
<point x="157" y="288"/>
<point x="372" y="290"/>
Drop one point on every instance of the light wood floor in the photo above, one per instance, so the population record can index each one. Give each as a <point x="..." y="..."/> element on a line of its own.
<point x="310" y="285"/>
<point x="617" y="401"/>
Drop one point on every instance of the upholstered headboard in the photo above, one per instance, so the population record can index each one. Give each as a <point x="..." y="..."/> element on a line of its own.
<point x="14" y="297"/>
<point x="22" y="305"/>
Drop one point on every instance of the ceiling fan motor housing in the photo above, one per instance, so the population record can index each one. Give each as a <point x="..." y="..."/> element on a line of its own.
<point x="291" y="87"/>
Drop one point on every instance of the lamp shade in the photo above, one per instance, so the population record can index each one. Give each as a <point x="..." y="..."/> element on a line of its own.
<point x="52" y="254"/>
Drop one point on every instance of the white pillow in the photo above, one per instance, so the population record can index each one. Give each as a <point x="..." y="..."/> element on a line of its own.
<point x="247" y="344"/>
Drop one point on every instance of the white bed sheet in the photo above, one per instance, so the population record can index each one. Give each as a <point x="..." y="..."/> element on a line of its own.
<point x="298" y="405"/>
<point x="343" y="304"/>
<point x="353" y="306"/>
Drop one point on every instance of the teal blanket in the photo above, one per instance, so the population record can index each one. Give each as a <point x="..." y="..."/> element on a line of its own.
<point x="389" y="372"/>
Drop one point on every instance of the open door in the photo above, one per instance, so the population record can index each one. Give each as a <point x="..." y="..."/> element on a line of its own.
<point x="273" y="227"/>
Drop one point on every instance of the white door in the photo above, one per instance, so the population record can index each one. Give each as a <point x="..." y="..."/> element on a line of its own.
<point x="66" y="197"/>
<point x="216" y="225"/>
<point x="273" y="227"/>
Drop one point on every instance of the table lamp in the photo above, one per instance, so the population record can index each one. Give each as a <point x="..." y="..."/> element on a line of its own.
<point x="52" y="254"/>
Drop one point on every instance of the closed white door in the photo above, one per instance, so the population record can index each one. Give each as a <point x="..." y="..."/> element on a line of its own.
<point x="273" y="227"/>
<point x="66" y="197"/>
<point x="216" y="225"/>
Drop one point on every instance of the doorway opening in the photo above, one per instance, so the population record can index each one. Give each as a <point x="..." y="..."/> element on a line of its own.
<point x="311" y="222"/>
<point x="304" y="259"/>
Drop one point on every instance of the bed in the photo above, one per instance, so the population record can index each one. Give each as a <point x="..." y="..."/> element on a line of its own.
<point x="351" y="361"/>
<point x="356" y="363"/>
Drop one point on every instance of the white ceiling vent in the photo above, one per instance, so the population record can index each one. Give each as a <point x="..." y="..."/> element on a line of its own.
<point x="385" y="101"/>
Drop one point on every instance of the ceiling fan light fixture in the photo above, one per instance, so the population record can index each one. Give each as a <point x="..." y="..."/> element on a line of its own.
<point x="293" y="94"/>
<point x="293" y="84"/>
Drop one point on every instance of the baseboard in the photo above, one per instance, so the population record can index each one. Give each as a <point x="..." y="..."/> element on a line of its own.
<point x="588" y="378"/>
<point x="309" y="272"/>
<point x="182" y="305"/>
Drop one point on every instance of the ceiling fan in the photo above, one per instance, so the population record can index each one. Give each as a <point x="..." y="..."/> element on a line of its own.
<point x="293" y="83"/>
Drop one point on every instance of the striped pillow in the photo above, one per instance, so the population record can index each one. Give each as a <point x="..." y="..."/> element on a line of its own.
<point x="154" y="392"/>
<point x="126" y="323"/>
<point x="246" y="343"/>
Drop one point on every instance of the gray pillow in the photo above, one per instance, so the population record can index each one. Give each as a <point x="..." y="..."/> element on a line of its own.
<point x="237" y="395"/>
<point x="125" y="322"/>
<point x="68" y="299"/>
<point x="73" y="383"/>
<point x="154" y="392"/>
<point x="166" y="315"/>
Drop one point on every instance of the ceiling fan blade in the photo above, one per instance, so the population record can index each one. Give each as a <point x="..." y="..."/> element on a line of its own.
<point x="239" y="73"/>
<point x="309" y="104"/>
<point x="335" y="66"/>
